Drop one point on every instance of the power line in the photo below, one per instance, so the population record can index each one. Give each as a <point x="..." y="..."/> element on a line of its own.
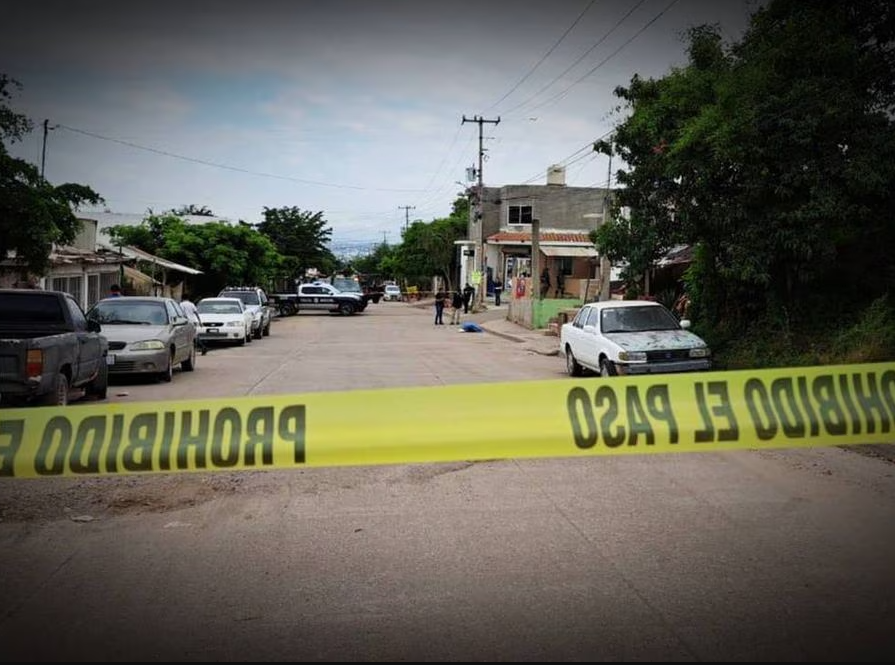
<point x="545" y="56"/>
<point x="609" y="57"/>
<point x="227" y="167"/>
<point x="406" y="210"/>
<point x="580" y="58"/>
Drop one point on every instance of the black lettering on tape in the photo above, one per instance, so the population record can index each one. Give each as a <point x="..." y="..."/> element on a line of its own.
<point x="114" y="443"/>
<point x="887" y="390"/>
<point x="169" y="420"/>
<point x="871" y="403"/>
<point x="55" y="441"/>
<point x="90" y="438"/>
<point x="707" y="431"/>
<point x="789" y="414"/>
<point x="15" y="430"/>
<point x="638" y="423"/>
<point x="260" y="432"/>
<point x="291" y="427"/>
<point x="845" y="389"/>
<point x="804" y="398"/>
<point x="141" y="437"/>
<point x="606" y="395"/>
<point x="658" y="403"/>
<point x="760" y="409"/>
<point x="823" y="389"/>
<point x="578" y="402"/>
<point x="225" y="438"/>
<point x="189" y="439"/>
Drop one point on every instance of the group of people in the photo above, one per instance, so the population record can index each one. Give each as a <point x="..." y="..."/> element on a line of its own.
<point x="459" y="300"/>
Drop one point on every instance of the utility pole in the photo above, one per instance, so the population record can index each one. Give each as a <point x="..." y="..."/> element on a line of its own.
<point x="480" y="263"/>
<point x="406" y="210"/>
<point x="43" y="152"/>
<point x="605" y="266"/>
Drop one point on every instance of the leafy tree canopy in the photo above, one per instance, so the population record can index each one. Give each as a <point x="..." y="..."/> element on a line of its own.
<point x="775" y="157"/>
<point x="34" y="215"/>
<point x="301" y="237"/>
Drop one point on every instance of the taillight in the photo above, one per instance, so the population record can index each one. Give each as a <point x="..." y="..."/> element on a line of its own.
<point x="34" y="362"/>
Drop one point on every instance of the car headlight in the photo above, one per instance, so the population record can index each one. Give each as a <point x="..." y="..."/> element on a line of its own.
<point x="633" y="356"/>
<point x="148" y="345"/>
<point x="701" y="352"/>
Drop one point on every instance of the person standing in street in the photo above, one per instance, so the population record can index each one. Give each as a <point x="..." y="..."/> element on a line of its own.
<point x="468" y="292"/>
<point x="456" y="305"/>
<point x="498" y="290"/>
<point x="439" y="308"/>
<point x="114" y="291"/>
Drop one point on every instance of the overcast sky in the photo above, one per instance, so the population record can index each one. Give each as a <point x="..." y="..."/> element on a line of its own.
<point x="349" y="107"/>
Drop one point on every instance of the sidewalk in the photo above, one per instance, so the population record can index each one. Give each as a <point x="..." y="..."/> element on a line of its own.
<point x="494" y="321"/>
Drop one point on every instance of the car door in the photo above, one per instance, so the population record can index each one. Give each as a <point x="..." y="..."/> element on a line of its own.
<point x="588" y="334"/>
<point x="87" y="354"/>
<point x="180" y="330"/>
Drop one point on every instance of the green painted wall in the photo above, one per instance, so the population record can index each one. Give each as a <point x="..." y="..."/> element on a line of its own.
<point x="544" y="310"/>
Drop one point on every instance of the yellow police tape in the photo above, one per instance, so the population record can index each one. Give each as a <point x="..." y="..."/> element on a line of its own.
<point x="778" y="408"/>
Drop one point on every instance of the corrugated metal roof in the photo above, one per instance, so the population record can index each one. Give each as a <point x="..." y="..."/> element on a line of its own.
<point x="524" y="238"/>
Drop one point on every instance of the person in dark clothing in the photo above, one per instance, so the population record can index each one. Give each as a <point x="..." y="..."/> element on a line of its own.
<point x="468" y="292"/>
<point x="545" y="283"/>
<point x="456" y="305"/>
<point x="114" y="291"/>
<point x="439" y="308"/>
<point x="498" y="290"/>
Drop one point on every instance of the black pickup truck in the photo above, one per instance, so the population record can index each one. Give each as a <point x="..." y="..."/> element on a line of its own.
<point x="48" y="349"/>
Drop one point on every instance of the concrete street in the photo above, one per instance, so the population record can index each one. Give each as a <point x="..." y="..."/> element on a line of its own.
<point x="755" y="555"/>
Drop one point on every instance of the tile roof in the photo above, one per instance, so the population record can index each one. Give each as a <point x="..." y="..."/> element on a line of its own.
<point x="549" y="236"/>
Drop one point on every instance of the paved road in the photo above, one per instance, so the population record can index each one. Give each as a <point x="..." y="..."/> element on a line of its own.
<point x="783" y="555"/>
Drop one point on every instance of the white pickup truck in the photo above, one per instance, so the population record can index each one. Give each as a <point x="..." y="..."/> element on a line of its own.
<point x="631" y="337"/>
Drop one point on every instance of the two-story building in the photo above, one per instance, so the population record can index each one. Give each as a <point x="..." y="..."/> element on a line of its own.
<point x="562" y="218"/>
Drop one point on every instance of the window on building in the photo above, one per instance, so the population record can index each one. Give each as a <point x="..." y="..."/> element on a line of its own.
<point x="70" y="285"/>
<point x="520" y="214"/>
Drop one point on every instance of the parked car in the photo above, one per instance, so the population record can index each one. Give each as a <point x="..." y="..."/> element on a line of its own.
<point x="47" y="348"/>
<point x="392" y="292"/>
<point x="147" y="335"/>
<point x="256" y="301"/>
<point x="224" y="320"/>
<point x="631" y="337"/>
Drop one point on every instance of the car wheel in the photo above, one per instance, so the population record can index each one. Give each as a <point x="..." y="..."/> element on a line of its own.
<point x="58" y="396"/>
<point x="100" y="385"/>
<point x="345" y="309"/>
<point x="257" y="333"/>
<point x="167" y="374"/>
<point x="607" y="368"/>
<point x="266" y="331"/>
<point x="572" y="366"/>
<point x="189" y="364"/>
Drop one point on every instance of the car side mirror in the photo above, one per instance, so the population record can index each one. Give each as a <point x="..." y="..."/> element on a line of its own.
<point x="179" y="321"/>
<point x="93" y="326"/>
<point x="685" y="324"/>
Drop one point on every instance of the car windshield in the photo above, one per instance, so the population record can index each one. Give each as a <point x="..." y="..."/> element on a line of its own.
<point x="346" y="285"/>
<point x="118" y="312"/>
<point x="637" y="319"/>
<point x="218" y="308"/>
<point x="247" y="297"/>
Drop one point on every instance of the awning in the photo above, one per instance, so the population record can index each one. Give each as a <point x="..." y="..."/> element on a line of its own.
<point x="134" y="253"/>
<point x="556" y="250"/>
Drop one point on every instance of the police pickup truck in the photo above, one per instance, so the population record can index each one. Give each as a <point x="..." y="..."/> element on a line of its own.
<point x="318" y="297"/>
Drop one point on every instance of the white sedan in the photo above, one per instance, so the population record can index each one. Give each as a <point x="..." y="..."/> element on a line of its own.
<point x="392" y="292"/>
<point x="631" y="337"/>
<point x="224" y="320"/>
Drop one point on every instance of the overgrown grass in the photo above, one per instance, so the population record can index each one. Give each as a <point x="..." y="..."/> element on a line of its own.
<point x="868" y="338"/>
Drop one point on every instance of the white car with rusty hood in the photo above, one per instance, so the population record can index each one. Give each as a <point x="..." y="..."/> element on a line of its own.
<point x="631" y="337"/>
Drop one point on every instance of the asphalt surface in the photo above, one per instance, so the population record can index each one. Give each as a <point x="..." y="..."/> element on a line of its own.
<point x="751" y="555"/>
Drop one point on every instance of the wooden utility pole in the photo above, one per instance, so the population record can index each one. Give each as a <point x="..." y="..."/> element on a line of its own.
<point x="480" y="262"/>
<point x="406" y="210"/>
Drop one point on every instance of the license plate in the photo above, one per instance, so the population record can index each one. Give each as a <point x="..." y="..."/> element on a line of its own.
<point x="212" y="331"/>
<point x="110" y="359"/>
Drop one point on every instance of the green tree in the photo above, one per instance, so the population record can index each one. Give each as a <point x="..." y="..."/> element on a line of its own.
<point x="301" y="237"/>
<point x="428" y="249"/>
<point x="378" y="262"/>
<point x="225" y="253"/>
<point x="775" y="157"/>
<point x="34" y="215"/>
<point x="192" y="210"/>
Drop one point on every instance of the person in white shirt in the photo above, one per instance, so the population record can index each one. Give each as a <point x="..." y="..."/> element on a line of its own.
<point x="192" y="313"/>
